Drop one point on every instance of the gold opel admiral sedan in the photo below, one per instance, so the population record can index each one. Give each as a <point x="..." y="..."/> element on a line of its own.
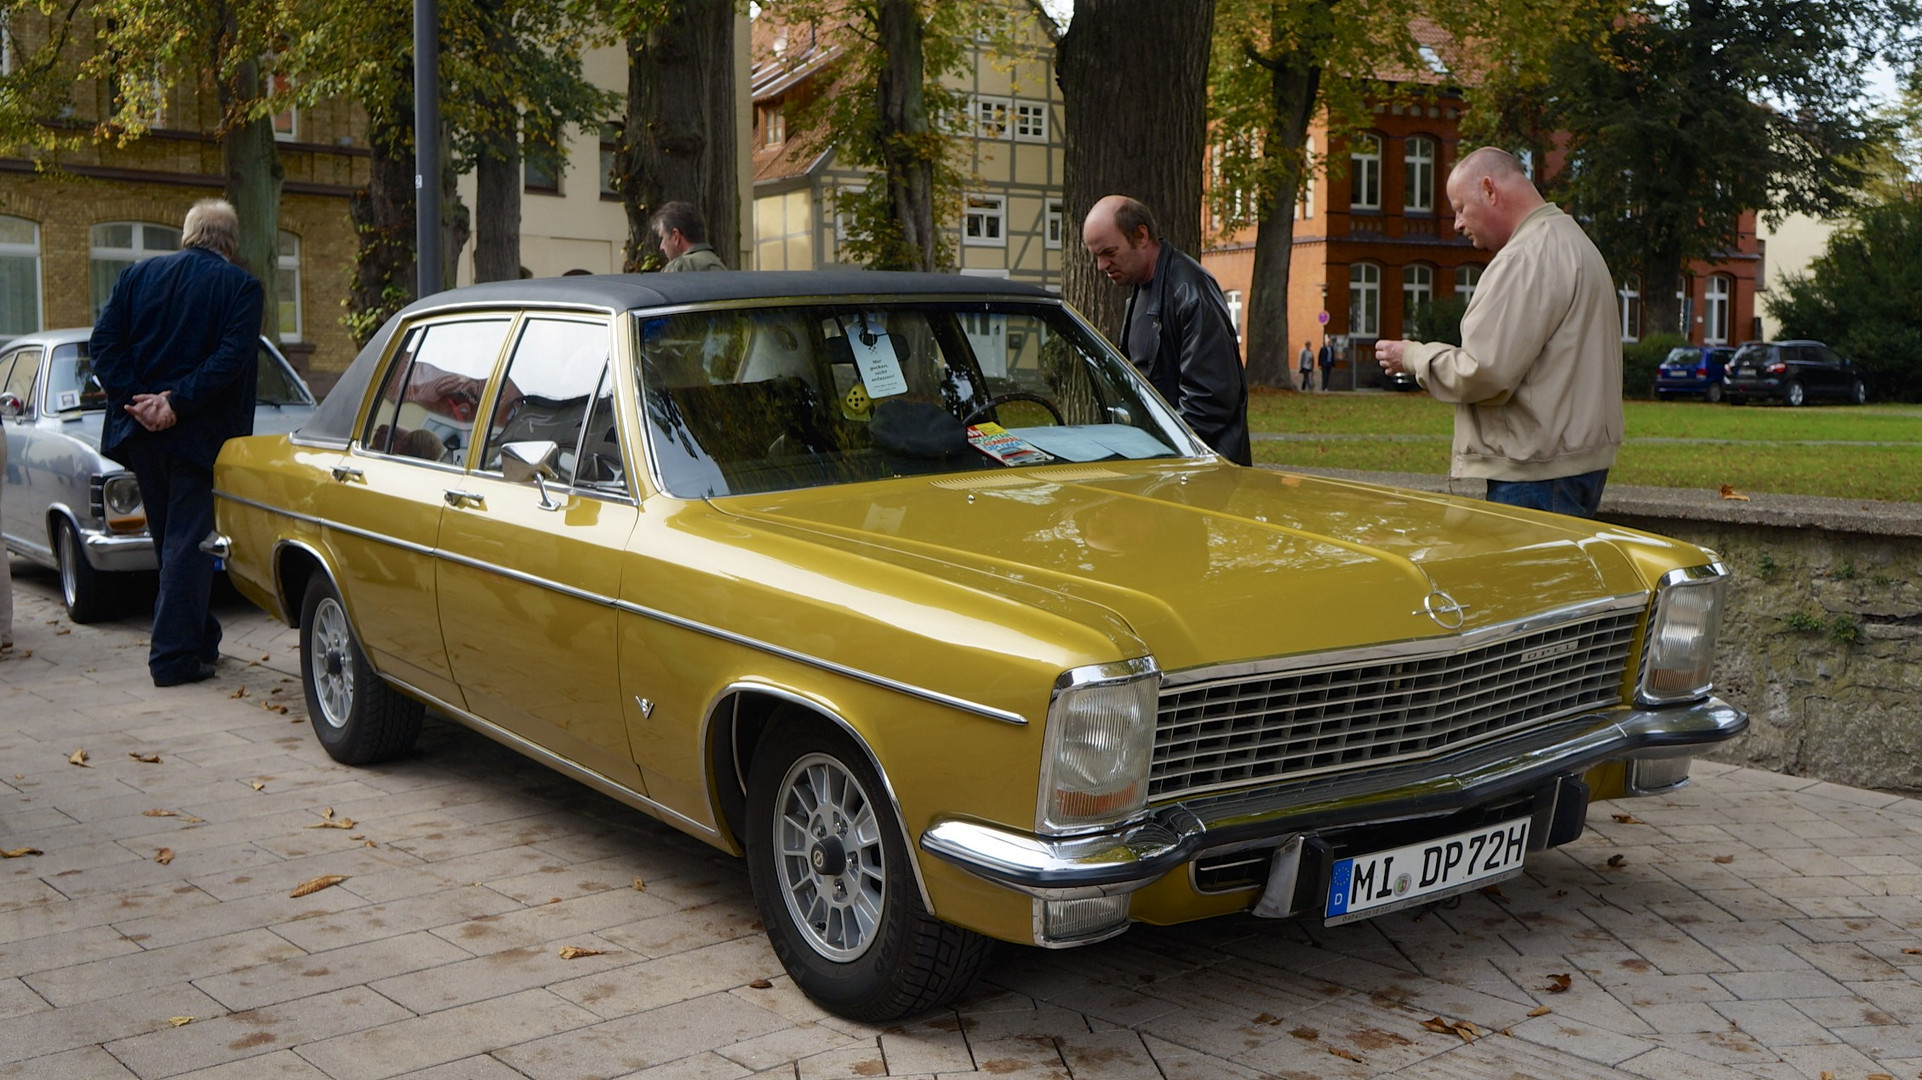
<point x="910" y="590"/>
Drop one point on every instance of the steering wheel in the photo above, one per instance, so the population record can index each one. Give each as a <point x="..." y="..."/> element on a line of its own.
<point x="1016" y="395"/>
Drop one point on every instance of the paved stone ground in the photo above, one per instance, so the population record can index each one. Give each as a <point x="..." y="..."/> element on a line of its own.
<point x="1753" y="925"/>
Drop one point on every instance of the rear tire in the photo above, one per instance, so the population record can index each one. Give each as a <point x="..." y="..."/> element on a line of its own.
<point x="1858" y="393"/>
<point x="358" y="718"/>
<point x="83" y="589"/>
<point x="834" y="886"/>
<point x="1713" y="395"/>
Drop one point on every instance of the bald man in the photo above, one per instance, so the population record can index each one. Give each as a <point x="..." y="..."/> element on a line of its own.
<point x="1537" y="380"/>
<point x="1178" y="331"/>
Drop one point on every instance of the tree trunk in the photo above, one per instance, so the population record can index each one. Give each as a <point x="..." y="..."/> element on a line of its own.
<point x="1661" y="308"/>
<point x="497" y="167"/>
<point x="679" y="138"/>
<point x="254" y="174"/>
<point x="1133" y="77"/>
<point x="907" y="169"/>
<point x="1295" y="82"/>
<point x="383" y="216"/>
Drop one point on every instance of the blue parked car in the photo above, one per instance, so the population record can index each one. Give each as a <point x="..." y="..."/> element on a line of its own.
<point x="1694" y="370"/>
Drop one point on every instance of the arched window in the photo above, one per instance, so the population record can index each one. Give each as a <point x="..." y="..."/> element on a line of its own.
<point x="1233" y="297"/>
<point x="287" y="285"/>
<point x="1467" y="278"/>
<point x="1630" y="295"/>
<point x="1417" y="289"/>
<point x="117" y="245"/>
<point x="1364" y="300"/>
<point x="1364" y="173"/>
<point x="19" y="277"/>
<point x="1418" y="174"/>
<point x="1716" y="298"/>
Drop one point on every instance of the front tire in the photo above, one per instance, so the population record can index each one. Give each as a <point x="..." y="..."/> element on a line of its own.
<point x="1793" y="395"/>
<point x="82" y="588"/>
<point x="358" y="718"/>
<point x="1858" y="393"/>
<point x="834" y="886"/>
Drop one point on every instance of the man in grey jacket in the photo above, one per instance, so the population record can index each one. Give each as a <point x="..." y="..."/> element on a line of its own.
<point x="1537" y="379"/>
<point x="683" y="237"/>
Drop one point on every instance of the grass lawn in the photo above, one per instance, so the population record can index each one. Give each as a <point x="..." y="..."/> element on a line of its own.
<point x="1867" y="452"/>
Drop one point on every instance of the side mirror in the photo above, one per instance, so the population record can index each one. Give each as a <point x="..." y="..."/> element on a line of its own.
<point x="532" y="461"/>
<point x="11" y="405"/>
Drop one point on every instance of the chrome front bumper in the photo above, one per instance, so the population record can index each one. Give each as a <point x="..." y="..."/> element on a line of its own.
<point x="116" y="554"/>
<point x="1134" y="856"/>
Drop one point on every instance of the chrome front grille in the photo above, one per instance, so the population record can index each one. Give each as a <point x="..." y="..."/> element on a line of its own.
<point x="1241" y="727"/>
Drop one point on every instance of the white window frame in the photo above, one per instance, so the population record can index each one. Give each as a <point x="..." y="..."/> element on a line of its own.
<point x="1417" y="287"/>
<point x="1364" y="172"/>
<point x="992" y="117"/>
<point x="982" y="215"/>
<point x="137" y="253"/>
<point x="287" y="269"/>
<point x="1233" y="299"/>
<point x="1364" y="300"/>
<point x="1717" y="297"/>
<point x="1418" y="174"/>
<point x="1685" y="304"/>
<point x="773" y="125"/>
<point x="1630" y="297"/>
<point x="31" y="251"/>
<point x="1031" y="121"/>
<point x="1468" y="278"/>
<point x="1054" y="223"/>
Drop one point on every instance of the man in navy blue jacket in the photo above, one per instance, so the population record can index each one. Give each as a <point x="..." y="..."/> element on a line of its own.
<point x="175" y="349"/>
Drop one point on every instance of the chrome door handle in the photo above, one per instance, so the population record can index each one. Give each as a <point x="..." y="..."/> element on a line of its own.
<point x="463" y="498"/>
<point x="344" y="472"/>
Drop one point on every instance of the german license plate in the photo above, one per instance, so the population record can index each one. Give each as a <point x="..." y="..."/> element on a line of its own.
<point x="1368" y="885"/>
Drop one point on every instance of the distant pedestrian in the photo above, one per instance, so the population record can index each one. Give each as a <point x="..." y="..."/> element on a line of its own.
<point x="1537" y="379"/>
<point x="683" y="237"/>
<point x="1178" y="331"/>
<point x="1306" y="362"/>
<point x="1327" y="360"/>
<point x="176" y="351"/>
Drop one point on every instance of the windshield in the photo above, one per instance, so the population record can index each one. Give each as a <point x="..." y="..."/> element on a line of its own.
<point x="71" y="385"/>
<point x="773" y="399"/>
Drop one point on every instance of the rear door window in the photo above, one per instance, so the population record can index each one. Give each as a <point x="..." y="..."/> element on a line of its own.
<point x="558" y="377"/>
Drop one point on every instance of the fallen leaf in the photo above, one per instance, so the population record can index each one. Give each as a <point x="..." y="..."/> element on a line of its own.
<point x="553" y="899"/>
<point x="1627" y="819"/>
<point x="1540" y="1010"/>
<point x="317" y="884"/>
<point x="760" y="984"/>
<point x="1494" y="892"/>
<point x="192" y="820"/>
<point x="1730" y="493"/>
<point x="639" y="885"/>
<point x="63" y="630"/>
<point x="1464" y="1028"/>
<point x="1345" y="1055"/>
<point x="14" y="853"/>
<point x="1880" y="1076"/>
<point x="159" y="813"/>
<point x="370" y="843"/>
<point x="575" y="952"/>
<point x="1267" y="1018"/>
<point x="150" y="759"/>
<point x="1616" y="862"/>
<point x="1912" y="952"/>
<point x="296" y="719"/>
<point x="1559" y="893"/>
<point x="1724" y="859"/>
<point x="270" y="707"/>
<point x="180" y="1021"/>
<point x="343" y="823"/>
<point x="240" y="693"/>
<point x="164" y="856"/>
<point x="264" y="659"/>
<point x="1305" y="1034"/>
<point x="328" y="813"/>
<point x="1437" y="1025"/>
<point x="1559" y="984"/>
<point x="258" y="786"/>
<point x="78" y="757"/>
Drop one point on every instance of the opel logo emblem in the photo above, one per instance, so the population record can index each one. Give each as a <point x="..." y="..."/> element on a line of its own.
<point x="820" y="858"/>
<point x="1442" y="608"/>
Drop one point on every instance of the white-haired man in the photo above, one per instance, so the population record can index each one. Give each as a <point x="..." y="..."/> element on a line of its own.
<point x="1537" y="379"/>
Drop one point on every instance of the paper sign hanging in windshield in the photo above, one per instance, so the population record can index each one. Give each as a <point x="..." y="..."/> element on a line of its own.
<point x="874" y="355"/>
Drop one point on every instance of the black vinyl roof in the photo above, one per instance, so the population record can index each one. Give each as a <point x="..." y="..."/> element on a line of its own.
<point x="626" y="292"/>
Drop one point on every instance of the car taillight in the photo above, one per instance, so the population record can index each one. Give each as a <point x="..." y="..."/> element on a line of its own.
<point x="1777" y="368"/>
<point x="1702" y="371"/>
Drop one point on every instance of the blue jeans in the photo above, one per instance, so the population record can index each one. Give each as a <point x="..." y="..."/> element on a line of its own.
<point x="179" y="498"/>
<point x="1576" y="496"/>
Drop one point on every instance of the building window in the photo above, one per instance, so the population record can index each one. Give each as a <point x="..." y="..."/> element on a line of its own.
<point x="784" y="232"/>
<point x="1630" y="295"/>
<point x="1417" y="289"/>
<point x="1364" y="173"/>
<point x="116" y="245"/>
<point x="6" y="42"/>
<point x="1716" y="299"/>
<point x="990" y="118"/>
<point x="287" y="285"/>
<point x="19" y="277"/>
<point x="1031" y="121"/>
<point x="1685" y="303"/>
<point x="1467" y="278"/>
<point x="1364" y="300"/>
<point x="1418" y="174"/>
<point x="986" y="220"/>
<point x="540" y="167"/>
<point x="1233" y="296"/>
<point x="1306" y="209"/>
<point x="773" y="125"/>
<point x="286" y="121"/>
<point x="1055" y="224"/>
<point x="610" y="160"/>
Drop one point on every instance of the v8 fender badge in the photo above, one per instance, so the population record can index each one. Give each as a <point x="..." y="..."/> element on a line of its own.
<point x="1441" y="607"/>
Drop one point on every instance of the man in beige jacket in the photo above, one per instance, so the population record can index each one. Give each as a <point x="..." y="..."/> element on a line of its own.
<point x="1537" y="380"/>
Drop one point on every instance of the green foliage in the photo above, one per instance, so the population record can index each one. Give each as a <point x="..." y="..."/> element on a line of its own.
<point x="1883" y="580"/>
<point x="1863" y="295"/>
<point x="1804" y="622"/>
<point x="1765" y="567"/>
<point x="1844" y="572"/>
<point x="1438" y="320"/>
<point x="1844" y="630"/>
<point x="1640" y="359"/>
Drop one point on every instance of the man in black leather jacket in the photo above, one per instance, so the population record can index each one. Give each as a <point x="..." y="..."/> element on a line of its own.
<point x="1178" y="330"/>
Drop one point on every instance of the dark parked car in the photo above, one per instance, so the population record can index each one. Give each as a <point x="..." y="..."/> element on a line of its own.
<point x="1694" y="370"/>
<point x="1794" y="372"/>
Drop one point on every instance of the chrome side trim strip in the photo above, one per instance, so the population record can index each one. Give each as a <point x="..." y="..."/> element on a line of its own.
<point x="1446" y="644"/>
<point x="934" y="696"/>
<point x="612" y="788"/>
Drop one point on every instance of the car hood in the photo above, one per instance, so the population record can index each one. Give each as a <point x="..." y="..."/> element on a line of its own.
<point x="1208" y="563"/>
<point x="268" y="420"/>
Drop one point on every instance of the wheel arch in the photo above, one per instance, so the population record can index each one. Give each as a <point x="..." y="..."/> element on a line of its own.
<point x="295" y="564"/>
<point x="734" y="727"/>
